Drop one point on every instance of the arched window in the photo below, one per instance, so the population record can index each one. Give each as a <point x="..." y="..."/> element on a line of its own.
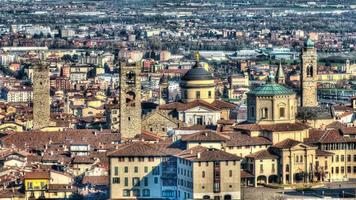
<point x="310" y="70"/>
<point x="130" y="99"/>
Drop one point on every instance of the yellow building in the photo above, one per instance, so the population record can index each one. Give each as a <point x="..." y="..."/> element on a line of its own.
<point x="198" y="83"/>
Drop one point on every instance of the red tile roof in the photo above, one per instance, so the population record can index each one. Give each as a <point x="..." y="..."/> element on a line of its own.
<point x="263" y="154"/>
<point x="37" y="175"/>
<point x="200" y="153"/>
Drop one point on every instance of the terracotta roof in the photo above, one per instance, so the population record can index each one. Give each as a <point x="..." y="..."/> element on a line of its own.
<point x="37" y="175"/>
<point x="148" y="136"/>
<point x="327" y="137"/>
<point x="263" y="154"/>
<point x="283" y="127"/>
<point x="246" y="174"/>
<point x="336" y="125"/>
<point x="138" y="149"/>
<point x="240" y="139"/>
<point x="82" y="160"/>
<point x="349" y="130"/>
<point x="96" y="180"/>
<point x="200" y="153"/>
<point x="221" y="104"/>
<point x="323" y="153"/>
<point x="204" y="136"/>
<point x="286" y="144"/>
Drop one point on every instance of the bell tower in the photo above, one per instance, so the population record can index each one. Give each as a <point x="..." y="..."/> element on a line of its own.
<point x="41" y="97"/>
<point x="308" y="78"/>
<point x="130" y="99"/>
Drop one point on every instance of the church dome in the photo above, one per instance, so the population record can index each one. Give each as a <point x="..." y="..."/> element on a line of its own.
<point x="271" y="88"/>
<point x="197" y="73"/>
<point x="309" y="43"/>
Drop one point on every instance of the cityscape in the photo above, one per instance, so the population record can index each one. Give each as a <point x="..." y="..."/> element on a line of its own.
<point x="177" y="100"/>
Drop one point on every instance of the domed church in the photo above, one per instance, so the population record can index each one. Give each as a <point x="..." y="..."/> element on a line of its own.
<point x="271" y="103"/>
<point x="197" y="84"/>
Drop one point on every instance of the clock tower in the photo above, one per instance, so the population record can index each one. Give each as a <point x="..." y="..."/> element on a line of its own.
<point x="308" y="75"/>
<point x="41" y="97"/>
<point x="130" y="99"/>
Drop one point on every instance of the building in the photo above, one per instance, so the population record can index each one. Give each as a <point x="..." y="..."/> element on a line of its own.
<point x="153" y="171"/>
<point x="198" y="84"/>
<point x="271" y="103"/>
<point x="17" y="94"/>
<point x="130" y="99"/>
<point x="41" y="97"/>
<point x="308" y="75"/>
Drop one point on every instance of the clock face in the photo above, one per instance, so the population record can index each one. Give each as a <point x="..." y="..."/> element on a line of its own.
<point x="130" y="77"/>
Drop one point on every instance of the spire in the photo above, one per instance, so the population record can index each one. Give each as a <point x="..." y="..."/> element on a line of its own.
<point x="280" y="74"/>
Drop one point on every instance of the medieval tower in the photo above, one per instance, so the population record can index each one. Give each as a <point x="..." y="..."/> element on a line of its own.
<point x="308" y="77"/>
<point x="163" y="90"/>
<point x="41" y="97"/>
<point x="130" y="99"/>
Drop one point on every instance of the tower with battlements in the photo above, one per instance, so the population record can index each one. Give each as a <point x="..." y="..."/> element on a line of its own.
<point x="41" y="97"/>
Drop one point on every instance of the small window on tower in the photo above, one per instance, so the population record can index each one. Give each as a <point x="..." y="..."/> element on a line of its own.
<point x="310" y="70"/>
<point x="129" y="118"/>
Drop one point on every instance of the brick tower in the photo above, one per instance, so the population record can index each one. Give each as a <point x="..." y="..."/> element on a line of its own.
<point x="130" y="99"/>
<point x="41" y="97"/>
<point x="308" y="77"/>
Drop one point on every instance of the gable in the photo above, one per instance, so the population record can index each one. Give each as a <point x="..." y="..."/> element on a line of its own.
<point x="200" y="109"/>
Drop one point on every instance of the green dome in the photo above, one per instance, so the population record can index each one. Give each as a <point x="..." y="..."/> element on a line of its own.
<point x="309" y="43"/>
<point x="271" y="89"/>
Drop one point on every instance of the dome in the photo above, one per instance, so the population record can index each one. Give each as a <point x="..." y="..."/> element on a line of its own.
<point x="271" y="89"/>
<point x="308" y="43"/>
<point x="197" y="73"/>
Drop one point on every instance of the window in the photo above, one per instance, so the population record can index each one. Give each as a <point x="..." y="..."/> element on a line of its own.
<point x="342" y="170"/>
<point x="287" y="168"/>
<point x="155" y="170"/>
<point x="354" y="158"/>
<point x="116" y="171"/>
<point x="342" y="158"/>
<point x="135" y="181"/>
<point x="337" y="158"/>
<point x="146" y="192"/>
<point x="115" y="180"/>
<point x="273" y="168"/>
<point x="146" y="169"/>
<point x="156" y="180"/>
<point x="197" y="94"/>
<point x="354" y="170"/>
<point x="136" y="192"/>
<point x="131" y="159"/>
<point x="126" y="181"/>
<point x="261" y="168"/>
<point x="151" y="159"/>
<point x="348" y="158"/>
<point x="203" y="174"/>
<point x="136" y="169"/>
<point x="126" y="169"/>
<point x="348" y="169"/>
<point x="141" y="159"/>
<point x="126" y="193"/>
<point x="145" y="181"/>
<point x="282" y="112"/>
<point x="264" y="113"/>
<point x="337" y="169"/>
<point x="209" y="94"/>
<point x="309" y="70"/>
<point x="301" y="158"/>
<point x="230" y="173"/>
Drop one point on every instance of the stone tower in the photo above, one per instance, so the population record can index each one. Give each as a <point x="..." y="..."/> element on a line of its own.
<point x="163" y="90"/>
<point x="130" y="99"/>
<point x="280" y="78"/>
<point x="41" y="97"/>
<point x="308" y="76"/>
